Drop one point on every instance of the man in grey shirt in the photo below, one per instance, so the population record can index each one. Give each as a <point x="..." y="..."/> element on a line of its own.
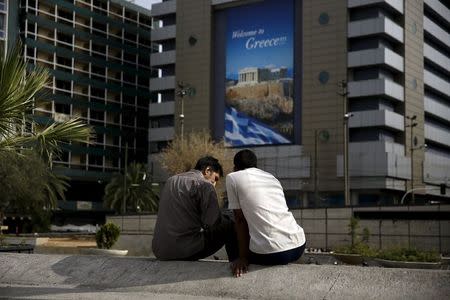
<point x="190" y="225"/>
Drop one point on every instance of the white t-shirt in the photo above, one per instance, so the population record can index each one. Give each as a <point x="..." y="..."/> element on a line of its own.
<point x="259" y="195"/>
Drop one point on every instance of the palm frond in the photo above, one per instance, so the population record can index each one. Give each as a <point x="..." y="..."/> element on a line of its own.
<point x="138" y="190"/>
<point x="17" y="88"/>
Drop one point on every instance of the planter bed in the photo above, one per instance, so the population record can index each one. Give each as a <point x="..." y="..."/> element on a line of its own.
<point x="407" y="264"/>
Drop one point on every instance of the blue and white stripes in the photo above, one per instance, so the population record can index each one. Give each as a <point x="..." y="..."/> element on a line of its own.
<point x="242" y="130"/>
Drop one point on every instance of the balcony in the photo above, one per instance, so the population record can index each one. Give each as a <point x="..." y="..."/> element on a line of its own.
<point x="436" y="57"/>
<point x="376" y="159"/>
<point x="162" y="109"/>
<point x="439" y="8"/>
<point x="436" y="31"/>
<point x="377" y="118"/>
<point x="163" y="83"/>
<point x="436" y="108"/>
<point x="436" y="168"/>
<point x="437" y="134"/>
<point x="396" y="5"/>
<point x="436" y="82"/>
<point x="164" y="33"/>
<point x="164" y="8"/>
<point x="376" y="87"/>
<point x="163" y="58"/>
<point x="375" y="162"/>
<point x="381" y="25"/>
<point x="161" y="134"/>
<point x="380" y="56"/>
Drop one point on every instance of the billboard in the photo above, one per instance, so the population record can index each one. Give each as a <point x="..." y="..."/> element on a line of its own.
<point x="259" y="68"/>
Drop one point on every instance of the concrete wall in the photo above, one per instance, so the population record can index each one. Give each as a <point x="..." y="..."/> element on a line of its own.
<point x="324" y="50"/>
<point x="414" y="90"/>
<point x="136" y="233"/>
<point x="324" y="228"/>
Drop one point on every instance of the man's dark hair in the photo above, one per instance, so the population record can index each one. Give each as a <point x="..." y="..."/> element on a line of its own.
<point x="245" y="159"/>
<point x="209" y="161"/>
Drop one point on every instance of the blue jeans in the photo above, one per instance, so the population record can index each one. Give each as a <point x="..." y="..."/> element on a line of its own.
<point x="278" y="258"/>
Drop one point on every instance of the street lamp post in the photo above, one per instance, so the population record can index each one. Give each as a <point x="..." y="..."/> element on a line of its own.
<point x="183" y="90"/>
<point x="124" y="201"/>
<point x="344" y="92"/>
<point x="411" y="125"/>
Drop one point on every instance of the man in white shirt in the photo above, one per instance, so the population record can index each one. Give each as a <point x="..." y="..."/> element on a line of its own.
<point x="267" y="232"/>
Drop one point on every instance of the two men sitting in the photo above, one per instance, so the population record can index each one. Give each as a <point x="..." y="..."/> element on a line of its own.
<point x="191" y="226"/>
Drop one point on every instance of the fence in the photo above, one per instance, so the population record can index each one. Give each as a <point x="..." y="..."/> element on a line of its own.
<point x="421" y="227"/>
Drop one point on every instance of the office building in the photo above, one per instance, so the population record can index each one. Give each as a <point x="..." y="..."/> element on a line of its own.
<point x="98" y="55"/>
<point x="363" y="103"/>
<point x="3" y="22"/>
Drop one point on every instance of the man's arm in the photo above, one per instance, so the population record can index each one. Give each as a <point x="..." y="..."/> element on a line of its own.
<point x="240" y="265"/>
<point x="209" y="206"/>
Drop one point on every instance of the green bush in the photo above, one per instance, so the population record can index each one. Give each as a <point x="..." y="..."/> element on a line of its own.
<point x="357" y="248"/>
<point x="107" y="235"/>
<point x="405" y="254"/>
<point x="358" y="245"/>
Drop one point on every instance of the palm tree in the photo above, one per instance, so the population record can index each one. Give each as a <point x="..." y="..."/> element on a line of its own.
<point x="18" y="89"/>
<point x="140" y="194"/>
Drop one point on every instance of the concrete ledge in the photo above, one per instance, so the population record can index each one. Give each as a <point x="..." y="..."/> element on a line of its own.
<point x="21" y="274"/>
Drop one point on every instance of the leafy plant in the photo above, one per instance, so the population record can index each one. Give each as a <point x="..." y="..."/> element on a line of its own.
<point x="20" y="87"/>
<point x="107" y="235"/>
<point x="140" y="193"/>
<point x="405" y="254"/>
<point x="357" y="246"/>
<point x="353" y="226"/>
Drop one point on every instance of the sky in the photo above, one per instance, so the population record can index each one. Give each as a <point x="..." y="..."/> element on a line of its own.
<point x="146" y="3"/>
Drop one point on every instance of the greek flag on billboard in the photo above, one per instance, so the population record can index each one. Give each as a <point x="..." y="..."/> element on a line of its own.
<point x="259" y="73"/>
<point x="241" y="130"/>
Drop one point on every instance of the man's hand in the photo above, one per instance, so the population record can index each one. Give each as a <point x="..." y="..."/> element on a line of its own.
<point x="239" y="267"/>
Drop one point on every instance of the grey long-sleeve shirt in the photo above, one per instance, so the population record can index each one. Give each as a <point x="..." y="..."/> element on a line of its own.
<point x="188" y="204"/>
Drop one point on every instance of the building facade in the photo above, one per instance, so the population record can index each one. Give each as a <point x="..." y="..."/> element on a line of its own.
<point x="98" y="57"/>
<point x="3" y="23"/>
<point x="371" y="84"/>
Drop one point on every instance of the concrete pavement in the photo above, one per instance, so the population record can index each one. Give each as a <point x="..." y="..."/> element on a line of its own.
<point x="34" y="276"/>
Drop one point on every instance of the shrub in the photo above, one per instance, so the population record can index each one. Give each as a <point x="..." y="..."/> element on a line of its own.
<point x="182" y="155"/>
<point x="107" y="235"/>
<point x="358" y="245"/>
<point x="405" y="254"/>
<point x="357" y="248"/>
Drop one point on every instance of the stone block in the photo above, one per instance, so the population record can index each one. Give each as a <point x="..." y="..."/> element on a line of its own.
<point x="314" y="226"/>
<point x="372" y="225"/>
<point x="394" y="227"/>
<point x="314" y="213"/>
<point x="424" y="227"/>
<point x="338" y="226"/>
<point x="393" y="241"/>
<point x="137" y="245"/>
<point x="425" y="243"/>
<point x="339" y="213"/>
<point x="445" y="228"/>
<point x="315" y="240"/>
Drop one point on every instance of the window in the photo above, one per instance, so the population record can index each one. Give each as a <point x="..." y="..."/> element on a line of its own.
<point x="64" y="40"/>
<point x="62" y="108"/>
<point x="97" y="115"/>
<point x="95" y="160"/>
<point x="64" y="85"/>
<point x="129" y="57"/>
<point x="64" y="61"/>
<point x="100" y="93"/>
<point x="65" y="17"/>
